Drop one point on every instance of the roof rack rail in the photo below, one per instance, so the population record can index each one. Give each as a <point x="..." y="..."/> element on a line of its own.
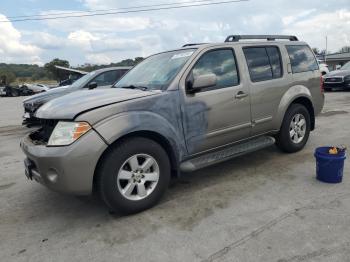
<point x="236" y="38"/>
<point x="193" y="44"/>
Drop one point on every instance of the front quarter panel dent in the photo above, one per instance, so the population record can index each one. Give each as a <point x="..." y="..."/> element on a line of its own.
<point x="115" y="127"/>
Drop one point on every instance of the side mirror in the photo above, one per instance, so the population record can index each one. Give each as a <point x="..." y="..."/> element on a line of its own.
<point x="92" y="85"/>
<point x="195" y="84"/>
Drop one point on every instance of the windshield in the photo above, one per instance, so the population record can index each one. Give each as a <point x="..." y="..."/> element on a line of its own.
<point x="82" y="80"/>
<point x="346" y="66"/>
<point x="157" y="71"/>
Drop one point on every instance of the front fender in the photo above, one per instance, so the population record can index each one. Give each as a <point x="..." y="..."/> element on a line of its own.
<point x="115" y="127"/>
<point x="291" y="95"/>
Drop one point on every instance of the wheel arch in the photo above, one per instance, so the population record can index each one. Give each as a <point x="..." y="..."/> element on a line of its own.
<point x="298" y="94"/>
<point x="158" y="138"/>
<point x="308" y="104"/>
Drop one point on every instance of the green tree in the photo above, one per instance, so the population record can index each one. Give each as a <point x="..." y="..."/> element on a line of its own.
<point x="138" y="60"/>
<point x="7" y="77"/>
<point x="50" y="67"/>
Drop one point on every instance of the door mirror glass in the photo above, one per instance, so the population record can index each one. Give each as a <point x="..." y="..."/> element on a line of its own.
<point x="92" y="85"/>
<point x="195" y="84"/>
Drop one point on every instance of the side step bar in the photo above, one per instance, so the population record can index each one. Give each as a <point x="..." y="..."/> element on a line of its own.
<point x="226" y="153"/>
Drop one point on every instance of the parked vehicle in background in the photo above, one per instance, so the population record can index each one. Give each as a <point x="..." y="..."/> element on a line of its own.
<point x="3" y="91"/>
<point x="15" y="91"/>
<point x="176" y="111"/>
<point x="323" y="68"/>
<point x="102" y="78"/>
<point x="338" y="79"/>
<point x="36" y="88"/>
<point x="71" y="75"/>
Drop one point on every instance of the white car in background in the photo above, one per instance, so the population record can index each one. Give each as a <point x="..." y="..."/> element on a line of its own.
<point x="323" y="67"/>
<point x="36" y="88"/>
<point x="2" y="91"/>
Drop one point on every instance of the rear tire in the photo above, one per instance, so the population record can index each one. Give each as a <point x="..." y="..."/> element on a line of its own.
<point x="129" y="186"/>
<point x="295" y="129"/>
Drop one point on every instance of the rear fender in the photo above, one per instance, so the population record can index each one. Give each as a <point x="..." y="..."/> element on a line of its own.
<point x="291" y="95"/>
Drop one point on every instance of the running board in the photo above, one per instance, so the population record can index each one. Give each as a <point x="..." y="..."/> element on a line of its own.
<point x="226" y="153"/>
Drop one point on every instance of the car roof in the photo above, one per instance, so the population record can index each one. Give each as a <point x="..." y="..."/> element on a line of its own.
<point x="236" y="40"/>
<point x="206" y="45"/>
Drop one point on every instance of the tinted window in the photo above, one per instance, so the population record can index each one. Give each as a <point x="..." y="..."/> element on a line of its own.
<point x="222" y="63"/>
<point x="121" y="72"/>
<point x="301" y="58"/>
<point x="106" y="78"/>
<point x="275" y="61"/>
<point x="264" y="63"/>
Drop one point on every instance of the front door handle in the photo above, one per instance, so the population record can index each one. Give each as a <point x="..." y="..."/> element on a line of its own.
<point x="240" y="95"/>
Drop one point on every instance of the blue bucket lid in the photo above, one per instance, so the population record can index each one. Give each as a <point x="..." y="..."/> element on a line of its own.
<point x="324" y="151"/>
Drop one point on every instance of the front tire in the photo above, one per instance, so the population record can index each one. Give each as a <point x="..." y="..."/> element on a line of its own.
<point x="133" y="175"/>
<point x="295" y="129"/>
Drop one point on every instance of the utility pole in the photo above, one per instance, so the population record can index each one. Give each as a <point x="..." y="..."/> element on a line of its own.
<point x="325" y="55"/>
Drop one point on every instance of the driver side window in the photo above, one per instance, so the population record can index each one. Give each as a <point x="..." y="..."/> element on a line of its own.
<point x="220" y="62"/>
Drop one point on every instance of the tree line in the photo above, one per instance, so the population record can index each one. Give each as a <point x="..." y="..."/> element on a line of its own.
<point x="11" y="73"/>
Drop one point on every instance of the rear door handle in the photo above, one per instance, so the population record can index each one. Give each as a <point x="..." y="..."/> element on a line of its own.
<point x="240" y="95"/>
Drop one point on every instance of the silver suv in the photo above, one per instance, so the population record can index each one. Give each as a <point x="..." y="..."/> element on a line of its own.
<point x="176" y="111"/>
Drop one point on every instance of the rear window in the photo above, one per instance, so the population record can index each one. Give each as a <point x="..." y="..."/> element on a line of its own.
<point x="301" y="58"/>
<point x="264" y="63"/>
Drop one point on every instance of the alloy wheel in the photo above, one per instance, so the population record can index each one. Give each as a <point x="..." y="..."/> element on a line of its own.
<point x="138" y="177"/>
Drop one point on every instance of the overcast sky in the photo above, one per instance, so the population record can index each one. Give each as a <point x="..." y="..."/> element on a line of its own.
<point x="106" y="39"/>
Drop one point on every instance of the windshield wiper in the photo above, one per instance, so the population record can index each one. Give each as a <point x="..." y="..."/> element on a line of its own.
<point x="143" y="88"/>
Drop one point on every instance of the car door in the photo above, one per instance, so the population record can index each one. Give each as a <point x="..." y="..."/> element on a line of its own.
<point x="267" y="84"/>
<point x="220" y="114"/>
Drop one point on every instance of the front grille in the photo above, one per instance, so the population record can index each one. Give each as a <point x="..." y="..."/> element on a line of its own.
<point x="334" y="85"/>
<point x="334" y="80"/>
<point x="42" y="135"/>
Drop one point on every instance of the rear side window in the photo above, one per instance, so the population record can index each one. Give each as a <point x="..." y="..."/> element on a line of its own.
<point x="275" y="61"/>
<point x="301" y="58"/>
<point x="264" y="63"/>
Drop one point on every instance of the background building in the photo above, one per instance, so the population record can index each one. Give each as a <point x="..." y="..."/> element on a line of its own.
<point x="333" y="60"/>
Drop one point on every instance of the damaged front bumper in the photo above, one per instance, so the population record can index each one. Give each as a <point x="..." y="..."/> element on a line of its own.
<point x="67" y="169"/>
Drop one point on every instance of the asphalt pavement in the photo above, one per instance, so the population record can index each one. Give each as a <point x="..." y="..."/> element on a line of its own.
<point x="265" y="206"/>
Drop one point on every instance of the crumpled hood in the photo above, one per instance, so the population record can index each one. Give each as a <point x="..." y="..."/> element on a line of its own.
<point x="44" y="97"/>
<point x="338" y="73"/>
<point x="68" y="106"/>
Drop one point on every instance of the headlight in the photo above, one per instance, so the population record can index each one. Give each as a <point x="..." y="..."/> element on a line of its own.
<point x="65" y="133"/>
<point x="347" y="78"/>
